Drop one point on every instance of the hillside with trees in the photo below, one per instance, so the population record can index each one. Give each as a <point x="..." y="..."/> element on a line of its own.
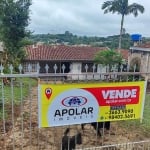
<point x="70" y="39"/>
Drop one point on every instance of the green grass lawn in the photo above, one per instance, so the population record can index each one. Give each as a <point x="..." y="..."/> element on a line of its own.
<point x="146" y="116"/>
<point x="144" y="126"/>
<point x="15" y="91"/>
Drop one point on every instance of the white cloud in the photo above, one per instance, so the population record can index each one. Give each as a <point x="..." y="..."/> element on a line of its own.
<point x="84" y="17"/>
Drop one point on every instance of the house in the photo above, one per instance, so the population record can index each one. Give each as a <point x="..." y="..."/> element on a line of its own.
<point x="59" y="55"/>
<point x="62" y="59"/>
<point x="139" y="55"/>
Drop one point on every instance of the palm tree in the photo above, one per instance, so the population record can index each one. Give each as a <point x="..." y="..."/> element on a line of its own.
<point x="123" y="8"/>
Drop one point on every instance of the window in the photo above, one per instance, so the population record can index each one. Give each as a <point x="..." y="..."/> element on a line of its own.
<point x="89" y="67"/>
<point x="33" y="67"/>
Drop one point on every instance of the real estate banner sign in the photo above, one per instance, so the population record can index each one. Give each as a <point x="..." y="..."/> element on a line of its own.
<point x="67" y="104"/>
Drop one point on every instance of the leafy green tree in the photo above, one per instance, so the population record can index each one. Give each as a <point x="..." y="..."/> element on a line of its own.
<point x="14" y="18"/>
<point x="108" y="57"/>
<point x="123" y="8"/>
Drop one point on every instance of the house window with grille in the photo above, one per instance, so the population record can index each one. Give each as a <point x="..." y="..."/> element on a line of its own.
<point x="33" y="67"/>
<point x="25" y="67"/>
<point x="88" y="67"/>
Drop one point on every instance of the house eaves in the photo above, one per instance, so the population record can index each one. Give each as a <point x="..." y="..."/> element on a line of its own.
<point x="140" y="49"/>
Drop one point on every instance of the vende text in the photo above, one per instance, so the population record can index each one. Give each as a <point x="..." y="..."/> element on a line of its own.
<point x="119" y="94"/>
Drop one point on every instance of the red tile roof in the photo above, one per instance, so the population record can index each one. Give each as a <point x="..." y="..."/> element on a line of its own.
<point x="61" y="52"/>
<point x="124" y="53"/>
<point x="145" y="45"/>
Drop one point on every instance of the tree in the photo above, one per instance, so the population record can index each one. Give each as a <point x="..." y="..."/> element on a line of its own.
<point x="108" y="57"/>
<point x="14" y="18"/>
<point x="123" y="8"/>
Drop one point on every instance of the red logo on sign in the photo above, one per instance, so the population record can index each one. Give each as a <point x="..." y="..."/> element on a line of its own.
<point x="48" y="92"/>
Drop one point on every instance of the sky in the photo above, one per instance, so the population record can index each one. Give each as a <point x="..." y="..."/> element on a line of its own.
<point x="84" y="18"/>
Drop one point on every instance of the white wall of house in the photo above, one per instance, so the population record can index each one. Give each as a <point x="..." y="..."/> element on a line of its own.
<point x="76" y="67"/>
<point x="77" y="74"/>
<point x="75" y="71"/>
<point x="101" y="69"/>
